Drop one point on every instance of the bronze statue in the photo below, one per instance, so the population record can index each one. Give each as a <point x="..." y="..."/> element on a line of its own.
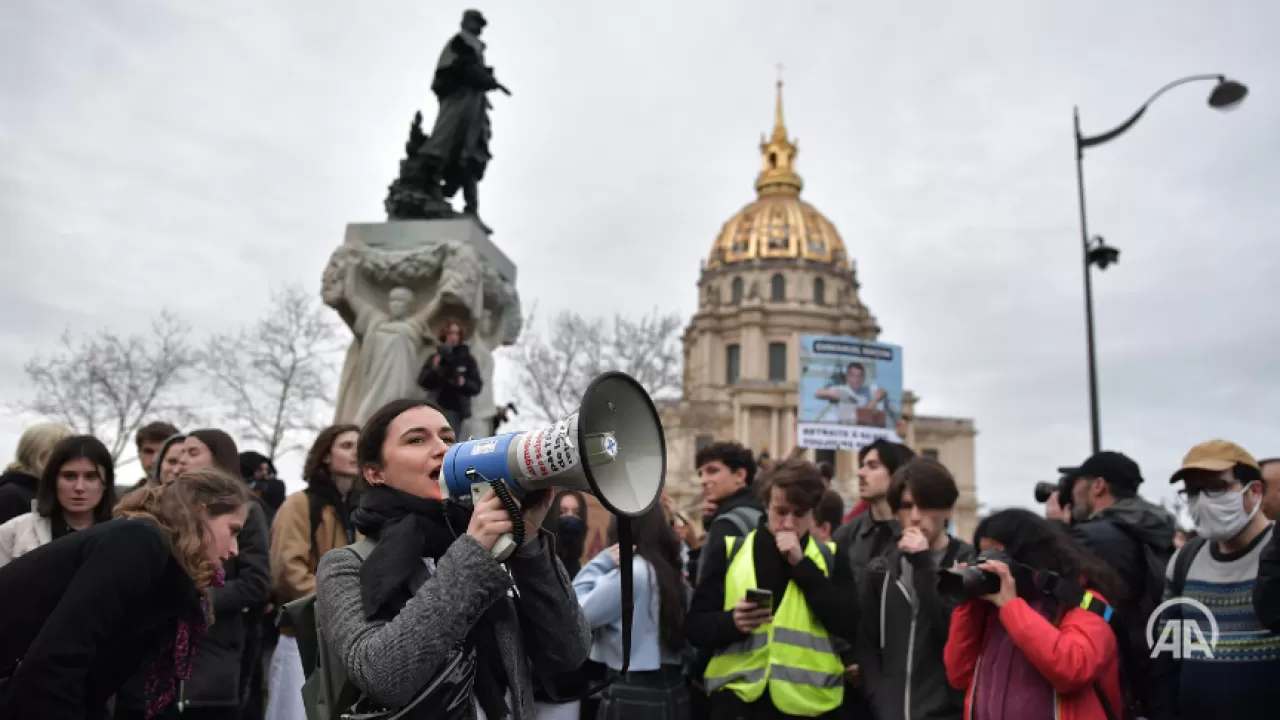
<point x="454" y="156"/>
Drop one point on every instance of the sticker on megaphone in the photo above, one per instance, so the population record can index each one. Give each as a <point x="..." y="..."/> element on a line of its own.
<point x="549" y="451"/>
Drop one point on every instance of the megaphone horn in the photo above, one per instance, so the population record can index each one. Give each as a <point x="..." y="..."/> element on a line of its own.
<point x="612" y="447"/>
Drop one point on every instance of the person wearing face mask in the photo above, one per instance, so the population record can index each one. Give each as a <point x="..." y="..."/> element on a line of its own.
<point x="1222" y="484"/>
<point x="451" y="376"/>
<point x="567" y="520"/>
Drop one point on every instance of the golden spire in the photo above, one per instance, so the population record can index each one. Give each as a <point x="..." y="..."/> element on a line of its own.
<point x="777" y="174"/>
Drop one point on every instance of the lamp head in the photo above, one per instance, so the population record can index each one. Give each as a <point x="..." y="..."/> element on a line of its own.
<point x="1102" y="254"/>
<point x="1227" y="94"/>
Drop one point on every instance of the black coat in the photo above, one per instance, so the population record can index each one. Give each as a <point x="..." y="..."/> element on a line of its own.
<point x="83" y="613"/>
<point x="17" y="490"/>
<point x="441" y="381"/>
<point x="215" y="671"/>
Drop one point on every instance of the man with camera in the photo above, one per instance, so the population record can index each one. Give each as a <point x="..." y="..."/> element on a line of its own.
<point x="1135" y="538"/>
<point x="451" y="377"/>
<point x="769" y="606"/>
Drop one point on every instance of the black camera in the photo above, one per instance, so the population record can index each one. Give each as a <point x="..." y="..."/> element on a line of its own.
<point x="970" y="582"/>
<point x="1045" y="490"/>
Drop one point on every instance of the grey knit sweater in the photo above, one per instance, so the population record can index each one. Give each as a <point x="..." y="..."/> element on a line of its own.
<point x="391" y="661"/>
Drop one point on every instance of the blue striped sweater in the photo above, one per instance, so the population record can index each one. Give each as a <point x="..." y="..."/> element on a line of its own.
<point x="1241" y="678"/>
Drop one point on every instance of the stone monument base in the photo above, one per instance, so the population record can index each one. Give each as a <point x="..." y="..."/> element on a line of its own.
<point x="396" y="284"/>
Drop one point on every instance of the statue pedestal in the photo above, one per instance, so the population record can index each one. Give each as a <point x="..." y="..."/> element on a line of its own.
<point x="396" y="284"/>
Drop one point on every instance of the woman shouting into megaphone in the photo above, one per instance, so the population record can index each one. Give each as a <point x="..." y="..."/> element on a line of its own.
<point x="429" y="619"/>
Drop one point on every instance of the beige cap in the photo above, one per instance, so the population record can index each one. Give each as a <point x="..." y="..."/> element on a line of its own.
<point x="1215" y="456"/>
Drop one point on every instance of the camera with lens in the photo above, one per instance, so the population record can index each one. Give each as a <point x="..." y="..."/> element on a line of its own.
<point x="970" y="581"/>
<point x="1045" y="490"/>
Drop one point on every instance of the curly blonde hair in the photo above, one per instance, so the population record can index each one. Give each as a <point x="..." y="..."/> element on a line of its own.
<point x="176" y="509"/>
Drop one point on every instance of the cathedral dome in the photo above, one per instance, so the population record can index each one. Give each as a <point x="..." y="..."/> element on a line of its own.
<point x="778" y="225"/>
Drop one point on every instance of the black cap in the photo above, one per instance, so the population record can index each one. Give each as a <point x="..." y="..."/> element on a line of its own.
<point x="474" y="15"/>
<point x="1116" y="468"/>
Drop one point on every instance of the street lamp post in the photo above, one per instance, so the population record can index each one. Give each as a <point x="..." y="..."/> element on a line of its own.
<point x="1226" y="94"/>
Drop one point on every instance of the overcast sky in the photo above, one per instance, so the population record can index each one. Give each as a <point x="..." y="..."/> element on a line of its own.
<point x="194" y="155"/>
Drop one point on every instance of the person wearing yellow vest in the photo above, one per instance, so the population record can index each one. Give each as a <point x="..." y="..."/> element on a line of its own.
<point x="778" y="661"/>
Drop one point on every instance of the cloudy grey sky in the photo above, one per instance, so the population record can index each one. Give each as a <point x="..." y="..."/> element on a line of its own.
<point x="193" y="155"/>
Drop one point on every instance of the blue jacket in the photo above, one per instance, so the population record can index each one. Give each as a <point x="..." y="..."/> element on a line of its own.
<point x="599" y="590"/>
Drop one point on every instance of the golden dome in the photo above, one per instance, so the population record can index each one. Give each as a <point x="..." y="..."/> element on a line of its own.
<point x="778" y="225"/>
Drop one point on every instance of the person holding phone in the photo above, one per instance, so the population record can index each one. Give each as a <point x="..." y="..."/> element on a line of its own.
<point x="779" y="578"/>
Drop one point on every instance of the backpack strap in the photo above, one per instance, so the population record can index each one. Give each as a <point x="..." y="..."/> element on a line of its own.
<point x="744" y="519"/>
<point x="363" y="548"/>
<point x="1182" y="565"/>
<point x="828" y="551"/>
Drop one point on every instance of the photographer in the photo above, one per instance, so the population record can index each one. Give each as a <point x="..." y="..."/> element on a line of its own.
<point x="1033" y="639"/>
<point x="1133" y="537"/>
<point x="451" y="376"/>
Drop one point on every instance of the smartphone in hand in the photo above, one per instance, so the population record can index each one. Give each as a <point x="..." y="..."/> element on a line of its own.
<point x="760" y="597"/>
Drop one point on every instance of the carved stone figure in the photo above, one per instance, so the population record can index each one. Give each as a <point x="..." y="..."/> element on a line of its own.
<point x="454" y="156"/>
<point x="390" y="346"/>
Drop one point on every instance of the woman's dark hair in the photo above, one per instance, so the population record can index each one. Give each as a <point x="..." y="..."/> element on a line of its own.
<point x="1039" y="544"/>
<point x="315" y="472"/>
<point x="657" y="543"/>
<point x="226" y="456"/>
<point x="157" y="466"/>
<point x="569" y="556"/>
<point x="374" y="433"/>
<point x="77" y="447"/>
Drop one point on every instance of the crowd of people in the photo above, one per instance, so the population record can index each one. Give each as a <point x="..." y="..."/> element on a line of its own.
<point x="162" y="598"/>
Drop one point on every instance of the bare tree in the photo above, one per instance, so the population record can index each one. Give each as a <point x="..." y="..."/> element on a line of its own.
<point x="556" y="365"/>
<point x="276" y="378"/>
<point x="108" y="385"/>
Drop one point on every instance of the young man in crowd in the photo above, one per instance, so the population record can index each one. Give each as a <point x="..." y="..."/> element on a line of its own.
<point x="148" y="440"/>
<point x="773" y="652"/>
<point x="903" y="616"/>
<point x="1135" y="538"/>
<point x="726" y="471"/>
<point x="869" y="535"/>
<point x="1218" y="568"/>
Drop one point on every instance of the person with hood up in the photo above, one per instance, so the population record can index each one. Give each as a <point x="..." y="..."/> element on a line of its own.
<point x="1135" y="538"/>
<point x="258" y="470"/>
<point x="21" y="478"/>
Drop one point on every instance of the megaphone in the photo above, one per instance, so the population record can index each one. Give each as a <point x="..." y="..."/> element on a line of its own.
<point x="613" y="447"/>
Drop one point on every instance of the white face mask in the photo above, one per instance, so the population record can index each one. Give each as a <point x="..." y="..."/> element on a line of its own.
<point x="1221" y="518"/>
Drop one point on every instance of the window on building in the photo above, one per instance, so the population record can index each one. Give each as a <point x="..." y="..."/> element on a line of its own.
<point x="732" y="364"/>
<point x="778" y="288"/>
<point x="819" y="292"/>
<point x="777" y="362"/>
<point x="931" y="453"/>
<point x="702" y="441"/>
<point x="735" y="290"/>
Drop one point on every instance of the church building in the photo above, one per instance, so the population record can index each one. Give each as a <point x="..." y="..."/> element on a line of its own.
<point x="779" y="270"/>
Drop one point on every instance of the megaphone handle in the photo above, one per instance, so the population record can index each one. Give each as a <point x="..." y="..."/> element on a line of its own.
<point x="506" y="543"/>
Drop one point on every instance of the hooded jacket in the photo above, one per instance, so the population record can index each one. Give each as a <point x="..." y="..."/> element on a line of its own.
<point x="906" y="623"/>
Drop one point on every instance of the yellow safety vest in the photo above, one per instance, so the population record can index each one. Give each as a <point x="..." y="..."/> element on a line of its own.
<point x="792" y="656"/>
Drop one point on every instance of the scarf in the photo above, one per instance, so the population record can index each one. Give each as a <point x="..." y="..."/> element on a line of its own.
<point x="406" y="529"/>
<point x="173" y="664"/>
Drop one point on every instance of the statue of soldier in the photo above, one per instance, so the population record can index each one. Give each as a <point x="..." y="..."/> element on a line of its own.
<point x="457" y="150"/>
